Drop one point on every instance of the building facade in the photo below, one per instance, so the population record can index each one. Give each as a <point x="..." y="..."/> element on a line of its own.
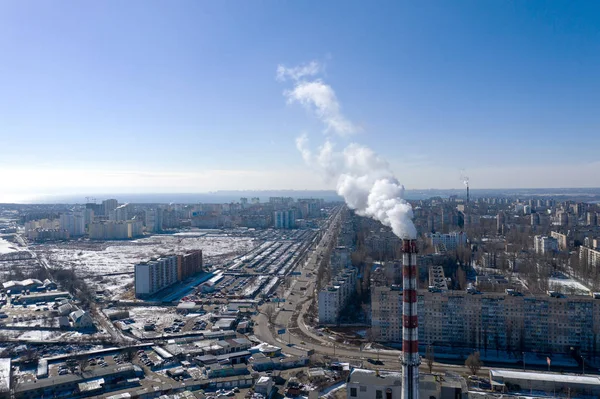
<point x="189" y="264"/>
<point x="336" y="295"/>
<point x="74" y="223"/>
<point x="492" y="321"/>
<point x="155" y="275"/>
<point x="545" y="245"/>
<point x="285" y="219"/>
<point x="447" y="242"/>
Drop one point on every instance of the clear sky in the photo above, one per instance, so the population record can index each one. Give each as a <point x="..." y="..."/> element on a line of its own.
<point x="158" y="96"/>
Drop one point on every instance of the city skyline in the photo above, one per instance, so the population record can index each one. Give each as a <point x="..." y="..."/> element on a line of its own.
<point x="192" y="98"/>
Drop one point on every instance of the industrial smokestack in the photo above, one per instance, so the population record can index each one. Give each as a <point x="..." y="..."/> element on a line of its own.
<point x="410" y="358"/>
<point x="467" y="193"/>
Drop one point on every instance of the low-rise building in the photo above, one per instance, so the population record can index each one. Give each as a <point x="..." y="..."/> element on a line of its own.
<point x="81" y="319"/>
<point x="512" y="380"/>
<point x="369" y="384"/>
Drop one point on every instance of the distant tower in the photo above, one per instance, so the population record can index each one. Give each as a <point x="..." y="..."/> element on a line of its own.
<point x="410" y="358"/>
<point x="500" y="222"/>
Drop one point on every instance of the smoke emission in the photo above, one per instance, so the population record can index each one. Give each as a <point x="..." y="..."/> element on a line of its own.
<point x="363" y="179"/>
<point x="366" y="183"/>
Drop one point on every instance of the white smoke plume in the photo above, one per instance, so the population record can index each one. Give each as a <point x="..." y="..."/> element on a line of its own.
<point x="364" y="179"/>
<point x="316" y="96"/>
<point x="464" y="178"/>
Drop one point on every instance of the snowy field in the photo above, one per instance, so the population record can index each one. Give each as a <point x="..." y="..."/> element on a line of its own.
<point x="7" y="247"/>
<point x="91" y="258"/>
<point x="109" y="265"/>
<point x="568" y="286"/>
<point x="160" y="316"/>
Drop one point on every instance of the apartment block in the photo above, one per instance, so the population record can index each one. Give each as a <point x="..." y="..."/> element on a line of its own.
<point x="115" y="230"/>
<point x="561" y="239"/>
<point x="284" y="219"/>
<point x="155" y="275"/>
<point x="545" y="245"/>
<point x="154" y="220"/>
<point x="589" y="256"/>
<point x="74" y="223"/>
<point x="492" y="321"/>
<point x="447" y="242"/>
<point x="336" y="295"/>
<point x="189" y="264"/>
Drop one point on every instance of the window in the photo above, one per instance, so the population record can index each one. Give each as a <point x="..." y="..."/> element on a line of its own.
<point x="353" y="392"/>
<point x="378" y="394"/>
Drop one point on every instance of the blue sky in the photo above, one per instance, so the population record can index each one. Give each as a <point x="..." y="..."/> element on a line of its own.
<point x="153" y="96"/>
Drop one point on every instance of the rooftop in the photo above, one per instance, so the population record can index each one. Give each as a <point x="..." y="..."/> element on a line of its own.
<point x="372" y="377"/>
<point x="559" y="378"/>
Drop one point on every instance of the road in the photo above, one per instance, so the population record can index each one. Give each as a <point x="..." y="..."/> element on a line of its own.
<point x="300" y="338"/>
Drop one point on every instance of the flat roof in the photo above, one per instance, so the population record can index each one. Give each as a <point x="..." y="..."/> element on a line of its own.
<point x="560" y="378"/>
<point x="4" y="374"/>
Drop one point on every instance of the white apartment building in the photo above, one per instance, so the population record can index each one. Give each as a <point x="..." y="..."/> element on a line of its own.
<point x="74" y="223"/>
<point x="109" y="205"/>
<point x="153" y="276"/>
<point x="115" y="230"/>
<point x="121" y="213"/>
<point x="448" y="242"/>
<point x="590" y="256"/>
<point x="44" y="224"/>
<point x="545" y="245"/>
<point x="335" y="296"/>
<point x="154" y="220"/>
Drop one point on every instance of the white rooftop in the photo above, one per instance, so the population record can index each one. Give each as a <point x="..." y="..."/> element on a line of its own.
<point x="560" y="378"/>
<point x="4" y="374"/>
<point x="372" y="377"/>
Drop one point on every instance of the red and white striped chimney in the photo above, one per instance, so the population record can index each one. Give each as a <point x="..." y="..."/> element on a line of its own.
<point x="410" y="333"/>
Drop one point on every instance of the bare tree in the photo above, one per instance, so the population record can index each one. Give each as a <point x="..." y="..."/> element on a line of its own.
<point x="127" y="354"/>
<point x="83" y="364"/>
<point x="270" y="313"/>
<point x="429" y="358"/>
<point x="474" y="363"/>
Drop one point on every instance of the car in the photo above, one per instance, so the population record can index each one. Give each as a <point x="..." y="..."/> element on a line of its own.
<point x="104" y="365"/>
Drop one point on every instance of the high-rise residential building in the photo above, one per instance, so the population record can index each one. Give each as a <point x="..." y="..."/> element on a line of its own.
<point x="592" y="219"/>
<point x="285" y="219"/>
<point x="500" y="222"/>
<point x="589" y="256"/>
<point x="562" y="218"/>
<point x="189" y="264"/>
<point x="155" y="275"/>
<point x="545" y="245"/>
<point x="120" y="213"/>
<point x="335" y="296"/>
<point x="115" y="230"/>
<point x="447" y="242"/>
<point x="154" y="220"/>
<point x="74" y="223"/>
<point x="492" y="321"/>
<point x="562" y="240"/>
<point x="109" y="205"/>
<point x="535" y="219"/>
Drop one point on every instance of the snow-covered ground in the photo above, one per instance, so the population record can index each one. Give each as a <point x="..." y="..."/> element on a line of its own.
<point x="7" y="247"/>
<point x="568" y="286"/>
<point x="95" y="260"/>
<point x="89" y="258"/>
<point x="160" y="316"/>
